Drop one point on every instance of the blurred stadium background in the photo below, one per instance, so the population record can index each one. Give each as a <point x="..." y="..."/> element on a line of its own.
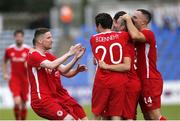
<point x="30" y="14"/>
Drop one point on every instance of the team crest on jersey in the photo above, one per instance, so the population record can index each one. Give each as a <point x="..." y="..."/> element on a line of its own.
<point x="12" y="54"/>
<point x="59" y="113"/>
<point x="24" y="55"/>
<point x="57" y="74"/>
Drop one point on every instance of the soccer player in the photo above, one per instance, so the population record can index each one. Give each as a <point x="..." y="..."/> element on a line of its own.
<point x="18" y="83"/>
<point x="48" y="97"/>
<point x="133" y="86"/>
<point x="109" y="86"/>
<point x="152" y="82"/>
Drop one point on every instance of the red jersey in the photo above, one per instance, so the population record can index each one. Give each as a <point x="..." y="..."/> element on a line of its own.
<point x="17" y="57"/>
<point x="44" y="82"/>
<point x="147" y="57"/>
<point x="134" y="82"/>
<point x="109" y="47"/>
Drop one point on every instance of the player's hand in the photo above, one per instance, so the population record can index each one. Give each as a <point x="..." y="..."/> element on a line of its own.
<point x="126" y="17"/>
<point x="81" y="68"/>
<point x="80" y="52"/>
<point x="102" y="65"/>
<point x="6" y="77"/>
<point x="74" y="49"/>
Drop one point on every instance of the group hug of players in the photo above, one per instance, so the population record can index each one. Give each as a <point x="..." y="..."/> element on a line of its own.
<point x="124" y="51"/>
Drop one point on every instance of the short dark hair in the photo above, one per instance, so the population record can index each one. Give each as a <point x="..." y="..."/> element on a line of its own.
<point x="39" y="32"/>
<point x="18" y="31"/>
<point x="104" y="19"/>
<point x="146" y="13"/>
<point x="118" y="14"/>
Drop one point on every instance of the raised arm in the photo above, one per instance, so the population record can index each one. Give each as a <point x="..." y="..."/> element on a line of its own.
<point x="125" y="66"/>
<point x="73" y="72"/>
<point x="66" y="68"/>
<point x="135" y="34"/>
<point x="54" y="64"/>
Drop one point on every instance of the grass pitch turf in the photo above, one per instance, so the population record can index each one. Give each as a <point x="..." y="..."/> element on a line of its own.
<point x="172" y="112"/>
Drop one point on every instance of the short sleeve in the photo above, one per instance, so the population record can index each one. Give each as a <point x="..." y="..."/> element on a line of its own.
<point x="92" y="44"/>
<point x="147" y="34"/>
<point x="50" y="56"/>
<point x="91" y="39"/>
<point x="6" y="55"/>
<point x="35" y="59"/>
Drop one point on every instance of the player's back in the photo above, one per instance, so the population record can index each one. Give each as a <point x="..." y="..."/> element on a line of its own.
<point x="110" y="48"/>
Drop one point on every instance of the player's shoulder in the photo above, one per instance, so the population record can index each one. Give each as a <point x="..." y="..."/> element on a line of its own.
<point x="26" y="46"/>
<point x="50" y="55"/>
<point x="11" y="46"/>
<point x="103" y="33"/>
<point x="147" y="31"/>
<point x="34" y="52"/>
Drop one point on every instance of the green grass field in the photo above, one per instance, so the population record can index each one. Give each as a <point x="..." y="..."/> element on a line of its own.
<point x="172" y="112"/>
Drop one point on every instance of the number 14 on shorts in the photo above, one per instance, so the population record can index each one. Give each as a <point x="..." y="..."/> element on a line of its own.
<point x="147" y="100"/>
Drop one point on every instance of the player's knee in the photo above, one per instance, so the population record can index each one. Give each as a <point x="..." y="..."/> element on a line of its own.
<point x="154" y="114"/>
<point x="17" y="100"/>
<point x="97" y="117"/>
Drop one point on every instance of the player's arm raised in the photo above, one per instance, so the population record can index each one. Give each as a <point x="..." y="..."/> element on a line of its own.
<point x="125" y="66"/>
<point x="136" y="35"/>
<point x="73" y="72"/>
<point x="54" y="64"/>
<point x="65" y="69"/>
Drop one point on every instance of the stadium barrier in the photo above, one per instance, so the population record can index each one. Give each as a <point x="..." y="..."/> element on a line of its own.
<point x="171" y="94"/>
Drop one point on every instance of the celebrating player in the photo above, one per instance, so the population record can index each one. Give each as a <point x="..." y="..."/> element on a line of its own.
<point x="18" y="83"/>
<point x="48" y="98"/>
<point x="152" y="82"/>
<point x="109" y="84"/>
<point x="133" y="86"/>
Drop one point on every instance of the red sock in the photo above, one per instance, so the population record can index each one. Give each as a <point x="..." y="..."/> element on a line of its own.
<point x="162" y="118"/>
<point x="23" y="114"/>
<point x="17" y="112"/>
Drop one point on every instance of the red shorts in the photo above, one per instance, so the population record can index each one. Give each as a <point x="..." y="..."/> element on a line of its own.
<point x="19" y="86"/>
<point x="150" y="97"/>
<point x="108" y="101"/>
<point x="53" y="109"/>
<point x="133" y="89"/>
<point x="130" y="105"/>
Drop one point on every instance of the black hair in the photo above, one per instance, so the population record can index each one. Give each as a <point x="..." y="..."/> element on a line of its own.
<point x="18" y="31"/>
<point x="104" y="19"/>
<point x="146" y="13"/>
<point x="39" y="32"/>
<point x="118" y="14"/>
